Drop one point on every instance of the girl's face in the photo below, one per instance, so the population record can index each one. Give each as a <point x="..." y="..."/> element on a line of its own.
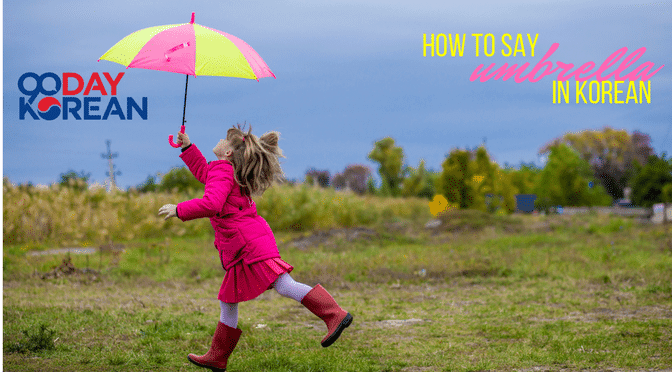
<point x="223" y="150"/>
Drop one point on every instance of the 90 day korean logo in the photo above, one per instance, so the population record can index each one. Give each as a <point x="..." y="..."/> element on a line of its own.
<point x="72" y="105"/>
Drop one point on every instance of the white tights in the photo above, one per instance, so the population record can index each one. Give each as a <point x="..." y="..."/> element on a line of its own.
<point x="286" y="287"/>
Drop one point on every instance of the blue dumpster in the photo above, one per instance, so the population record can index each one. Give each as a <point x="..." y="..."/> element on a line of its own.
<point x="525" y="202"/>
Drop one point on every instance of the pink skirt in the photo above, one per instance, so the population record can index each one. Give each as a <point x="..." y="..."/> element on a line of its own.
<point x="246" y="282"/>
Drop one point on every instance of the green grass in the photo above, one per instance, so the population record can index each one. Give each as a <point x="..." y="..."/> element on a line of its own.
<point x="555" y="293"/>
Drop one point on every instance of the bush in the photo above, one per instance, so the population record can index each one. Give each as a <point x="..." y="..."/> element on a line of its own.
<point x="41" y="339"/>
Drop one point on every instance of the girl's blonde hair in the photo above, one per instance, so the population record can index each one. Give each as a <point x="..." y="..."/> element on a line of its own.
<point x="256" y="164"/>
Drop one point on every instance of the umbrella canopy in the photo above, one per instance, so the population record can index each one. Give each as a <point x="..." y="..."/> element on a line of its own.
<point x="190" y="49"/>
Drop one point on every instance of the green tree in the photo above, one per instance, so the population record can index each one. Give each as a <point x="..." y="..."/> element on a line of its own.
<point x="648" y="184"/>
<point x="666" y="193"/>
<point x="567" y="180"/>
<point x="390" y="159"/>
<point x="456" y="179"/>
<point x="149" y="185"/>
<point x="610" y="153"/>
<point x="504" y="192"/>
<point x="470" y="179"/>
<point x="76" y="181"/>
<point x="524" y="178"/>
<point x="180" y="179"/>
<point x="370" y="186"/>
<point x="484" y="180"/>
<point x="418" y="182"/>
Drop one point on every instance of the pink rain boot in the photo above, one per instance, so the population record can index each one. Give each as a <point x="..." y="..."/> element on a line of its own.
<point x="223" y="343"/>
<point x="320" y="303"/>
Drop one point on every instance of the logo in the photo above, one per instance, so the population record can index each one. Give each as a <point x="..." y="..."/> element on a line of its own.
<point x="49" y="108"/>
<point x="72" y="105"/>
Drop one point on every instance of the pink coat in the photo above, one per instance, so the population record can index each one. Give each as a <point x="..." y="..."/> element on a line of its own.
<point x="240" y="234"/>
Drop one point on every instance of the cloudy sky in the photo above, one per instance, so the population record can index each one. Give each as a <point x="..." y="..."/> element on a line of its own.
<point x="348" y="74"/>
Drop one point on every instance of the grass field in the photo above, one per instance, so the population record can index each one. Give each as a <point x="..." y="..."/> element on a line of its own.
<point x="525" y="293"/>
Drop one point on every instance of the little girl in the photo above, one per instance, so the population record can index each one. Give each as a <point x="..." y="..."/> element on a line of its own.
<point x="246" y="165"/>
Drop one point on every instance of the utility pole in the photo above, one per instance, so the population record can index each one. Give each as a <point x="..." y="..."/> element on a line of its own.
<point x="111" y="173"/>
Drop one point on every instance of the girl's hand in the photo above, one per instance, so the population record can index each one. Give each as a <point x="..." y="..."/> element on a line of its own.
<point x="183" y="139"/>
<point x="170" y="210"/>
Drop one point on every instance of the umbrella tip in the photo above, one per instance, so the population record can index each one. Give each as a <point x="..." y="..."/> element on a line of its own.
<point x="193" y="15"/>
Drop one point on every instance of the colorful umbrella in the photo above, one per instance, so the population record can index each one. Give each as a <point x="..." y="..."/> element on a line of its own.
<point x="190" y="49"/>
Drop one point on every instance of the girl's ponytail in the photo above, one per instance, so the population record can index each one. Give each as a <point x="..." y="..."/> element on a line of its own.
<point x="269" y="141"/>
<point x="255" y="160"/>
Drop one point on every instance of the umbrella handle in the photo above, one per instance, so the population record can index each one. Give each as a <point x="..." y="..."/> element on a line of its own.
<point x="170" y="138"/>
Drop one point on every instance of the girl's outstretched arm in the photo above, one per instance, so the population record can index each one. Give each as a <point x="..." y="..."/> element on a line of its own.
<point x="196" y="162"/>
<point x="219" y="184"/>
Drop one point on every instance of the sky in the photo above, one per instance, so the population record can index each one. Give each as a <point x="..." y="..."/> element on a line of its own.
<point x="349" y="73"/>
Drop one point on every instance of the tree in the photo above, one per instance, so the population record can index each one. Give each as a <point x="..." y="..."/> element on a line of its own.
<point x="76" y="181"/>
<point x="455" y="181"/>
<point x="472" y="180"/>
<point x="567" y="180"/>
<point x="666" y="193"/>
<point x="318" y="177"/>
<point x="370" y="186"/>
<point x="484" y="179"/>
<point x="650" y="183"/>
<point x="418" y="182"/>
<point x="610" y="153"/>
<point x="390" y="159"/>
<point x="149" y="185"/>
<point x="505" y="191"/>
<point x="180" y="178"/>
<point x="354" y="177"/>
<point x="524" y="178"/>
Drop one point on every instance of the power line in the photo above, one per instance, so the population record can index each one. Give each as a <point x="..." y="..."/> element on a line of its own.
<point x="111" y="173"/>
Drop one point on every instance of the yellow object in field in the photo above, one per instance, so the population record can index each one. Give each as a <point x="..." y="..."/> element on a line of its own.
<point x="438" y="205"/>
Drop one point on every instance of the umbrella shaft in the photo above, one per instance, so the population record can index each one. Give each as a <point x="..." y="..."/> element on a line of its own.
<point x="184" y="111"/>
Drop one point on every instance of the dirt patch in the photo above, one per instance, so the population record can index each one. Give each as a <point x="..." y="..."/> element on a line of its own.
<point x="332" y="237"/>
<point x="67" y="269"/>
<point x="468" y="220"/>
<point x="394" y="323"/>
<point x="63" y="251"/>
<point x="384" y="274"/>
